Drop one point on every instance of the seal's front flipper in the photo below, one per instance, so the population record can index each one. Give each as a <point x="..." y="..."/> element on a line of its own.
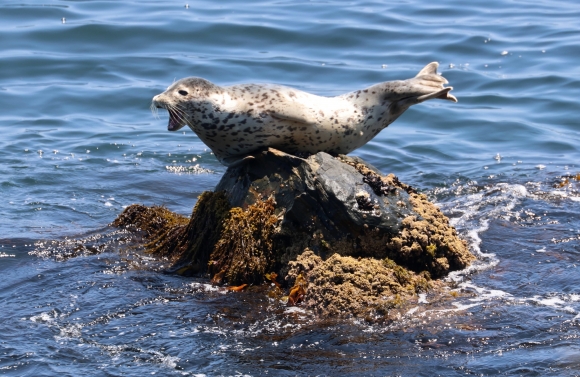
<point x="232" y="162"/>
<point x="299" y="108"/>
<point x="296" y="114"/>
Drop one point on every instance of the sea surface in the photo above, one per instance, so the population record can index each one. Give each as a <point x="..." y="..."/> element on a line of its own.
<point x="78" y="144"/>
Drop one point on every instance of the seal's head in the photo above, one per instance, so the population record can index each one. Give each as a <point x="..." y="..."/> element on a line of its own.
<point x="181" y="100"/>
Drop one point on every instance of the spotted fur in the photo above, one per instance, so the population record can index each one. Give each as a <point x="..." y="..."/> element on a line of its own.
<point x="236" y="120"/>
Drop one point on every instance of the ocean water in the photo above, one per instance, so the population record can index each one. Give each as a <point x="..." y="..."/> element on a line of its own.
<point x="78" y="144"/>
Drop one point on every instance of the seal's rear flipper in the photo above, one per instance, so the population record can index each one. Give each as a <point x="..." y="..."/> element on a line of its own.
<point x="431" y="69"/>
<point x="442" y="94"/>
<point x="428" y="80"/>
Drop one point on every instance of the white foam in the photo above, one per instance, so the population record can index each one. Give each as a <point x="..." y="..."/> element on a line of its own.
<point x="471" y="215"/>
<point x="207" y="287"/>
<point x="170" y="361"/>
<point x="561" y="302"/>
<point x="412" y="310"/>
<point x="45" y="317"/>
<point x="458" y="307"/>
<point x="551" y="301"/>
<point x="489" y="294"/>
<point x="70" y="331"/>
<point x="294" y="309"/>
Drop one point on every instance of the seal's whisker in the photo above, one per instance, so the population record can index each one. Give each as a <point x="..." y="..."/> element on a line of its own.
<point x="180" y="114"/>
<point x="154" y="111"/>
<point x="173" y="109"/>
<point x="180" y="111"/>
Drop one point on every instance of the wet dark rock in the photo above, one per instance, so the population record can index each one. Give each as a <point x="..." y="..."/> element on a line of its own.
<point x="317" y="194"/>
<point x="343" y="205"/>
<point x="331" y="213"/>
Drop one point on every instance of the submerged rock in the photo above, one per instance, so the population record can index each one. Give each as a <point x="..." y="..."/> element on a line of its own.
<point x="276" y="210"/>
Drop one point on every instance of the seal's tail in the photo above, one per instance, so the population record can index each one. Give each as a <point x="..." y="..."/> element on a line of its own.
<point x="428" y="80"/>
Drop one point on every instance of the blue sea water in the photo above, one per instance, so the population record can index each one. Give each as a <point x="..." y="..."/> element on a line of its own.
<point x="78" y="144"/>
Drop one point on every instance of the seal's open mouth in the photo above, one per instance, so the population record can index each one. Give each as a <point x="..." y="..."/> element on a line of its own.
<point x="175" y="121"/>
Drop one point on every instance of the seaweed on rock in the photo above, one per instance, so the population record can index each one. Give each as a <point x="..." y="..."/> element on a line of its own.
<point x="186" y="242"/>
<point x="244" y="251"/>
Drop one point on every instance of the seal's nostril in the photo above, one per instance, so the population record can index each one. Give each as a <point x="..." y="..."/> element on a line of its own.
<point x="159" y="107"/>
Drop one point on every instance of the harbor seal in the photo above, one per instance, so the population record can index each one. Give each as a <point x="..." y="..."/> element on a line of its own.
<point x="234" y="121"/>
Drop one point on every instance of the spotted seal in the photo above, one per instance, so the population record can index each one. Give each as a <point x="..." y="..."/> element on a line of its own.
<point x="234" y="121"/>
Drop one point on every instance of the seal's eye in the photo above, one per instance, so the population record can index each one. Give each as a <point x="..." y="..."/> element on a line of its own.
<point x="182" y="92"/>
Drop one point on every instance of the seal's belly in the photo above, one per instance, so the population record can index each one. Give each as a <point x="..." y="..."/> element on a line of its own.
<point x="238" y="134"/>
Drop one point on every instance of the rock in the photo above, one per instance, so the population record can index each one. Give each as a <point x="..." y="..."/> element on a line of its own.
<point x="319" y="191"/>
<point x="336" y="222"/>
<point x="343" y="205"/>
